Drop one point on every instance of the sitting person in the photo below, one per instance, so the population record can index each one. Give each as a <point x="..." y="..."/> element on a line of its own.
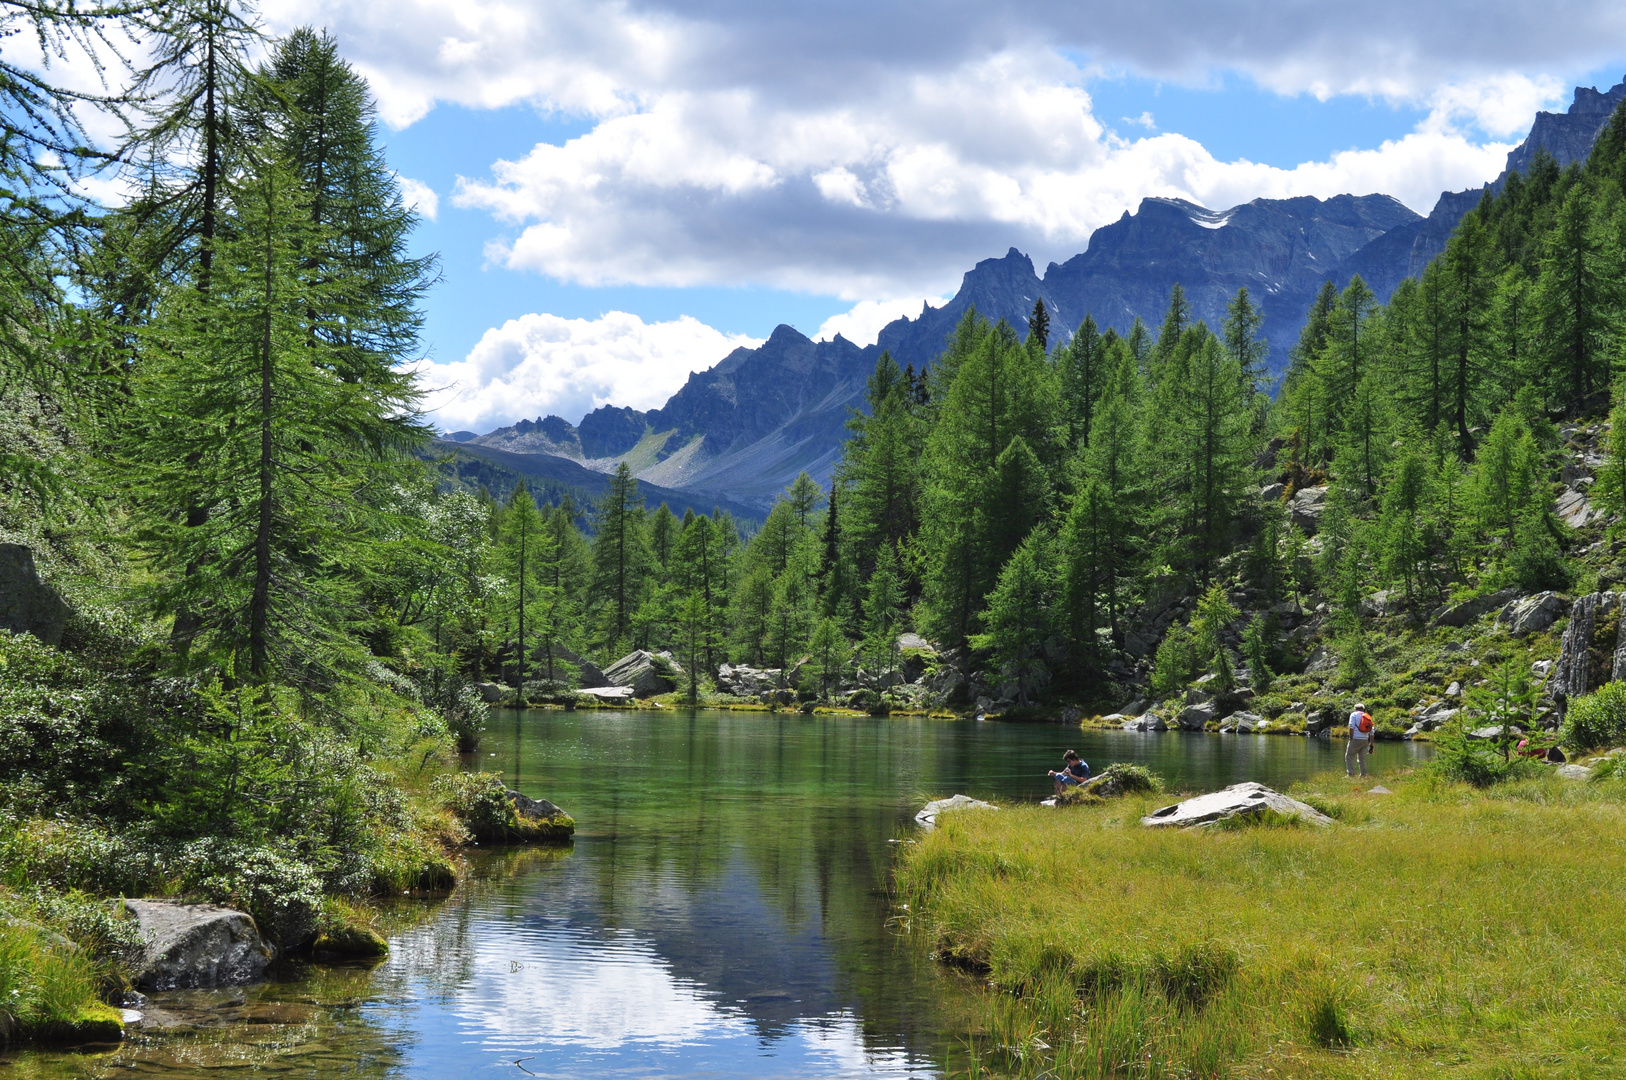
<point x="1073" y="772"/>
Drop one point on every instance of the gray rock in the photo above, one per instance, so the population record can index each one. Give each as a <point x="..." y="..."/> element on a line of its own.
<point x="1575" y="509"/>
<point x="197" y="945"/>
<point x="1466" y="612"/>
<point x="1246" y="723"/>
<point x="1154" y="722"/>
<point x="928" y="815"/>
<point x="1540" y="668"/>
<point x="1271" y="493"/>
<point x="1319" y="662"/>
<point x="1133" y="723"/>
<point x="533" y="809"/>
<point x="27" y="604"/>
<point x="1238" y="800"/>
<point x="1532" y="614"/>
<point x="1494" y="731"/>
<point x="915" y="641"/>
<point x="1196" y="717"/>
<point x="1454" y="690"/>
<point x="1135" y="708"/>
<point x="1306" y="507"/>
<point x="491" y="691"/>
<point x="743" y="681"/>
<point x="1381" y="603"/>
<point x="1573" y="772"/>
<point x="644" y="672"/>
<point x="1572" y="675"/>
<point x="608" y="693"/>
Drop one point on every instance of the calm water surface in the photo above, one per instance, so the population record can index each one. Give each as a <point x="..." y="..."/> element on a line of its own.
<point x="722" y="912"/>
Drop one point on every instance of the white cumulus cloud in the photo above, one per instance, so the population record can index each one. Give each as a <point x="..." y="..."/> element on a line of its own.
<point x="420" y="196"/>
<point x="863" y="322"/>
<point x="540" y="364"/>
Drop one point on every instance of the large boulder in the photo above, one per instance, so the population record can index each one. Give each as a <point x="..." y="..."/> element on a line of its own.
<point x="608" y="693"/>
<point x="27" y="604"/>
<point x="1239" y="800"/>
<point x="1466" y="612"/>
<point x="491" y="692"/>
<point x="1573" y="676"/>
<point x="1532" y="614"/>
<point x="1196" y="717"/>
<point x="197" y="945"/>
<point x="645" y="672"/>
<point x="741" y="680"/>
<point x="928" y="814"/>
<point x="1306" y="506"/>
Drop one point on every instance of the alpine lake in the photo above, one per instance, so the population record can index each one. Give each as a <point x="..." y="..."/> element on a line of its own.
<point x="723" y="911"/>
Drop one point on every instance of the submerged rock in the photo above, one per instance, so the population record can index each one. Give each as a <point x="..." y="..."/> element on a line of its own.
<point x="197" y="945"/>
<point x="928" y="815"/>
<point x="1238" y="800"/>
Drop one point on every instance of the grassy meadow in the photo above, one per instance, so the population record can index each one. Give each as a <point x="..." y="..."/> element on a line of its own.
<point x="1437" y="930"/>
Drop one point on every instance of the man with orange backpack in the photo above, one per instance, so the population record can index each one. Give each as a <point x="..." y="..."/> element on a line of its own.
<point x="1361" y="737"/>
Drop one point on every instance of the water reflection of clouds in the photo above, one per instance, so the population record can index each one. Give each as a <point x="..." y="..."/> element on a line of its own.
<point x="564" y="1001"/>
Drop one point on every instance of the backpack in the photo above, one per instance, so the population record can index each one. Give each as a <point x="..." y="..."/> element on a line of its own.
<point x="1366" y="724"/>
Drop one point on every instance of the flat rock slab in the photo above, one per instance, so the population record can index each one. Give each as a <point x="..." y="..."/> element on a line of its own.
<point x="928" y="815"/>
<point x="1574" y="772"/>
<point x="1238" y="800"/>
<point x="193" y="945"/>
<point x="608" y="693"/>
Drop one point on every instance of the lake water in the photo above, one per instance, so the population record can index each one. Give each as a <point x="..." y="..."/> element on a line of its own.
<point x="722" y="913"/>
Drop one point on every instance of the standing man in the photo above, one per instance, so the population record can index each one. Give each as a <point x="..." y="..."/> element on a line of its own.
<point x="1360" y="741"/>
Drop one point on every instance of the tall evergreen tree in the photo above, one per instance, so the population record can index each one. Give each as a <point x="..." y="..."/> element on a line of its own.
<point x="620" y="558"/>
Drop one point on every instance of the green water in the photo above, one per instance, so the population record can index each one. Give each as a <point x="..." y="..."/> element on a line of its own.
<point x="722" y="913"/>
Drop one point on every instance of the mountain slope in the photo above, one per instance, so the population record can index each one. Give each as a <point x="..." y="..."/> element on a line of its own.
<point x="747" y="426"/>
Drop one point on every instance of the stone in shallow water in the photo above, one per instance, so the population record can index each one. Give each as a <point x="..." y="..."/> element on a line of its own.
<point x="928" y="815"/>
<point x="1238" y="800"/>
<point x="191" y="945"/>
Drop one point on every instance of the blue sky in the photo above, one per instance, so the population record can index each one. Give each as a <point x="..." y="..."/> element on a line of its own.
<point x="624" y="193"/>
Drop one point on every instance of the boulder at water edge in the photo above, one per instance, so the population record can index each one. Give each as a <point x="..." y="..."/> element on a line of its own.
<point x="645" y="672"/>
<point x="928" y="816"/>
<point x="197" y="945"/>
<point x="1238" y="800"/>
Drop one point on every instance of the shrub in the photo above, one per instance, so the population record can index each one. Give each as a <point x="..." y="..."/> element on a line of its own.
<point x="1598" y="719"/>
<point x="1115" y="780"/>
<point x="1476" y="762"/>
<point x="486" y="806"/>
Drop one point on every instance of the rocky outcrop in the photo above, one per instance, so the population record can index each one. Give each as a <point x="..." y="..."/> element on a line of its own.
<point x="1306" y="507"/>
<point x="1532" y="614"/>
<point x="1237" y="801"/>
<point x="743" y="681"/>
<point x="647" y="673"/>
<point x="928" y="814"/>
<point x="1473" y="608"/>
<point x="1195" y="717"/>
<point x="1573" y="675"/>
<point x="197" y="945"/>
<point x="608" y="693"/>
<point x="27" y="604"/>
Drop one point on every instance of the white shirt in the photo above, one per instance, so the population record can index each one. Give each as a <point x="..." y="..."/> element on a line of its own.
<point x="1355" y="731"/>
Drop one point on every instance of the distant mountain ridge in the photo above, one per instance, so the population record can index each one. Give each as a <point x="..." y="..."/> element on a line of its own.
<point x="744" y="428"/>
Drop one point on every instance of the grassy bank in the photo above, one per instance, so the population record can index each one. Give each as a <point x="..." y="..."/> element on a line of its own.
<point x="1435" y="927"/>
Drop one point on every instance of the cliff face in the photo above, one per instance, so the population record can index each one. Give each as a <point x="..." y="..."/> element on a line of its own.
<point x="746" y="427"/>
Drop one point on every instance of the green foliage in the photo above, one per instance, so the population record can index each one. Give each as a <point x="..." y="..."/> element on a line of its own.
<point x="1257" y="647"/>
<point x="487" y="808"/>
<point x="1176" y="663"/>
<point x="1597" y="719"/>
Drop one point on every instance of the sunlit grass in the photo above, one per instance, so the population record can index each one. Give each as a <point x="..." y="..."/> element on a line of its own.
<point x="1436" y="926"/>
